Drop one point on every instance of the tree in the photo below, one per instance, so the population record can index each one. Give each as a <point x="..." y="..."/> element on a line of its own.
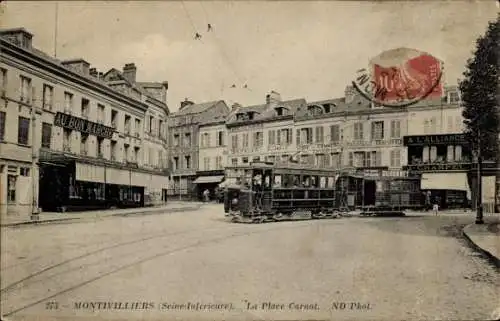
<point x="480" y="97"/>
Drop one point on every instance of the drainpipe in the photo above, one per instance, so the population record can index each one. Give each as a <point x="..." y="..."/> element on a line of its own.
<point x="34" y="161"/>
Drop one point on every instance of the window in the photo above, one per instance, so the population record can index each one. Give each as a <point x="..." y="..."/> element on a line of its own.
<point x="83" y="144"/>
<point x="24" y="171"/>
<point x="114" y="117"/>
<point x="2" y="125"/>
<point x="244" y="160"/>
<point x="25" y="89"/>
<point x="359" y="159"/>
<point x="23" y="131"/>
<point x="351" y="159"/>
<point x="68" y="102"/>
<point x="126" y="152"/>
<point x="3" y="80"/>
<point x="256" y="159"/>
<point x="258" y="139"/>
<point x="320" y="159"/>
<point x="176" y="140"/>
<point x="187" y="139"/>
<point x="137" y="127"/>
<point x="187" y="159"/>
<point x="136" y="154"/>
<point x="459" y="124"/>
<point x="334" y="133"/>
<point x="377" y="130"/>
<point x="358" y="131"/>
<point x="176" y="163"/>
<point x="48" y="97"/>
<point x="113" y="150"/>
<point x="100" y="114"/>
<point x="220" y="138"/>
<point x="373" y="159"/>
<point x="151" y="124"/>
<point x="100" y="151"/>
<point x="454" y="97"/>
<point x="287" y="136"/>
<point x="395" y="158"/>
<point x="395" y="129"/>
<point x="218" y="162"/>
<point x="234" y="143"/>
<point x="305" y="136"/>
<point x="11" y="188"/>
<point x="245" y="140"/>
<point x="208" y="139"/>
<point x="127" y="124"/>
<point x="234" y="161"/>
<point x="67" y="140"/>
<point x="271" y="137"/>
<point x="46" y="135"/>
<point x="160" y="128"/>
<point x="319" y="134"/>
<point x="336" y="159"/>
<point x="206" y="163"/>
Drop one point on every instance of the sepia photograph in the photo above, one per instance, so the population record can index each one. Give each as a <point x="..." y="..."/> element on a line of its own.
<point x="250" y="160"/>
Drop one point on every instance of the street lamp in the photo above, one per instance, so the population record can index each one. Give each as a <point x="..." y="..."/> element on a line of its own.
<point x="479" y="200"/>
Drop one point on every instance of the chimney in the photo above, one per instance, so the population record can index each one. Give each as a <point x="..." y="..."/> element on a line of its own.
<point x="100" y="75"/>
<point x="272" y="99"/>
<point x="78" y="65"/>
<point x="129" y="72"/>
<point x="18" y="36"/>
<point x="350" y="93"/>
<point x="185" y="103"/>
<point x="93" y="72"/>
<point x="235" y="106"/>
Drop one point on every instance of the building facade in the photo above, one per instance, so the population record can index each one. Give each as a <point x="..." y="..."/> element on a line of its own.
<point x="67" y="138"/>
<point x="183" y="131"/>
<point x="212" y="157"/>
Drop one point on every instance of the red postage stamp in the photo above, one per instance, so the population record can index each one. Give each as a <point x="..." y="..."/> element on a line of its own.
<point x="400" y="77"/>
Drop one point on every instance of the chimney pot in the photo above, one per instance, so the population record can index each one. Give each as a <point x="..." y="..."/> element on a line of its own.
<point x="130" y="72"/>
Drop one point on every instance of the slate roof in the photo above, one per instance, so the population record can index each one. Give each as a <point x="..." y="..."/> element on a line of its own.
<point x="195" y="108"/>
<point x="263" y="112"/>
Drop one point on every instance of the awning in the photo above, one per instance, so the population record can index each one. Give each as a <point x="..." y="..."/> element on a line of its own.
<point x="456" y="181"/>
<point x="208" y="179"/>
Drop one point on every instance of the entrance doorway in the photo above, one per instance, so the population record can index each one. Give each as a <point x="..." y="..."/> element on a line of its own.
<point x="369" y="192"/>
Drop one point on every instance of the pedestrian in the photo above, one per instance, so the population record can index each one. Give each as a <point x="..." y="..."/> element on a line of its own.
<point x="435" y="208"/>
<point x="206" y="195"/>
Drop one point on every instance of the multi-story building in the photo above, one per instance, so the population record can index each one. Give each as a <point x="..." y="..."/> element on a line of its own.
<point x="154" y="145"/>
<point x="212" y="155"/>
<point x="262" y="132"/>
<point x="436" y="148"/>
<point x="183" y="131"/>
<point x="68" y="138"/>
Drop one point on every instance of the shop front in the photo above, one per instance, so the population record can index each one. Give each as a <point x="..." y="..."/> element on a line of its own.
<point x="207" y="183"/>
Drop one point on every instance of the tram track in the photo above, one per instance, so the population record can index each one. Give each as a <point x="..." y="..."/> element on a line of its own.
<point x="27" y="293"/>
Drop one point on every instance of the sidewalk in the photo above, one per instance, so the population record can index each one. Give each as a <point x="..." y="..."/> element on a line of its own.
<point x="48" y="217"/>
<point x="486" y="238"/>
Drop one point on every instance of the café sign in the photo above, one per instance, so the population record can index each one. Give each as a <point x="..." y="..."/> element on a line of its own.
<point x="83" y="125"/>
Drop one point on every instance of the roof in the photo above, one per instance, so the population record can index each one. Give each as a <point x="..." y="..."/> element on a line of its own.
<point x="263" y="112"/>
<point x="195" y="108"/>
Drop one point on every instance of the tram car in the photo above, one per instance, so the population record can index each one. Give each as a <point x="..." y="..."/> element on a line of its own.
<point x="263" y="191"/>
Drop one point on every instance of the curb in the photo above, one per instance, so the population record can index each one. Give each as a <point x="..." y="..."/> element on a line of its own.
<point x="56" y="220"/>
<point x="492" y="258"/>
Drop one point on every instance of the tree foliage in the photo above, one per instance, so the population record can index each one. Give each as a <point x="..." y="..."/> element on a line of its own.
<point x="480" y="92"/>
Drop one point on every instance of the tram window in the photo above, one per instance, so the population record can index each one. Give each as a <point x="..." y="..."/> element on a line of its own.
<point x="322" y="182"/>
<point x="267" y="180"/>
<point x="314" y="181"/>
<point x="331" y="182"/>
<point x="277" y="181"/>
<point x="296" y="181"/>
<point x="306" y="181"/>
<point x="287" y="180"/>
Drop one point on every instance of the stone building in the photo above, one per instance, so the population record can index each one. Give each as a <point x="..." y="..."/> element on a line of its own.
<point x="183" y="130"/>
<point x="68" y="139"/>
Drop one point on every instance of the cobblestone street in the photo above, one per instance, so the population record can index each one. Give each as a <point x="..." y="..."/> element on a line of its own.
<point x="413" y="268"/>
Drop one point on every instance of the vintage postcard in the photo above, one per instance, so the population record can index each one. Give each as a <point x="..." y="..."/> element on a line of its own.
<point x="249" y="160"/>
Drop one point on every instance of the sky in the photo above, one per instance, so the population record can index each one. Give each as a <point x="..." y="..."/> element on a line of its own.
<point x="301" y="49"/>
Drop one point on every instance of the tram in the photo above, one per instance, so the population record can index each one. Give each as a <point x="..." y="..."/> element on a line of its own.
<point x="265" y="191"/>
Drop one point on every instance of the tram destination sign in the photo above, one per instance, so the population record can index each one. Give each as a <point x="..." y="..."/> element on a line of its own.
<point x="83" y="125"/>
<point x="426" y="140"/>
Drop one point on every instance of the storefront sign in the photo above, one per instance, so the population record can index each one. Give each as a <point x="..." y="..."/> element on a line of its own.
<point x="427" y="140"/>
<point x="83" y="125"/>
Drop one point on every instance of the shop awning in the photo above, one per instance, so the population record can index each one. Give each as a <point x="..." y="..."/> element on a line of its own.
<point x="208" y="179"/>
<point x="456" y="181"/>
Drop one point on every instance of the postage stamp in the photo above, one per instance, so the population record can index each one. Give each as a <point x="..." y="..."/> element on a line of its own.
<point x="400" y="77"/>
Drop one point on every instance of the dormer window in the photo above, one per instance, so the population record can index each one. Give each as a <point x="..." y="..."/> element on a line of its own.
<point x="453" y="97"/>
<point x="242" y="116"/>
<point x="315" y="110"/>
<point x="281" y="111"/>
<point x="250" y="115"/>
<point x="326" y="108"/>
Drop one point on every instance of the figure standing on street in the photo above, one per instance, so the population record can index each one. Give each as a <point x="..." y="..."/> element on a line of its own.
<point x="435" y="208"/>
<point x="206" y="195"/>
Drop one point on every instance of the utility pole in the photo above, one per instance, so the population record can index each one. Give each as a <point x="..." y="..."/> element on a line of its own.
<point x="479" y="213"/>
<point x="34" y="160"/>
